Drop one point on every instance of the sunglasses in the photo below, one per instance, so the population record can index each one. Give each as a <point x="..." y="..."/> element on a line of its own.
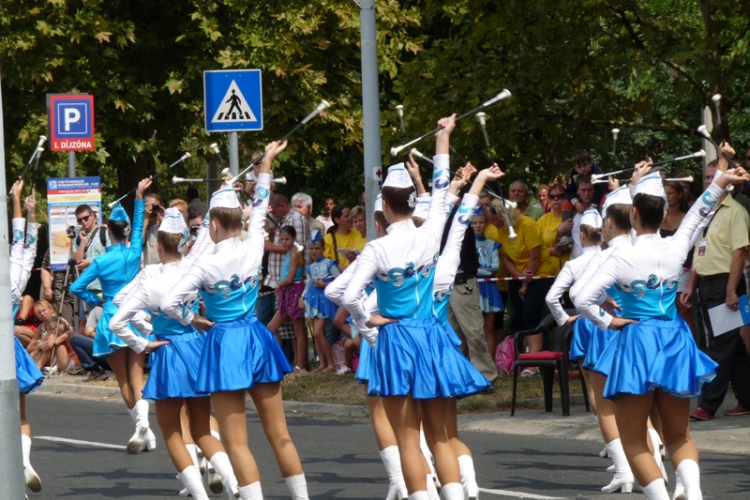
<point x="556" y="196"/>
<point x="83" y="219"/>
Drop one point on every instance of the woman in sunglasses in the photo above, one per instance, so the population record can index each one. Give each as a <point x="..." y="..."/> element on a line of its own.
<point x="553" y="228"/>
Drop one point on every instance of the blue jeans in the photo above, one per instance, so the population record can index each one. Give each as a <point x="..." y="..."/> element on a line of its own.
<point x="84" y="348"/>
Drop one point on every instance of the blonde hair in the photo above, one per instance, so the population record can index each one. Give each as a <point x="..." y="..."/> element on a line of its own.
<point x="181" y="205"/>
<point x="513" y="213"/>
<point x="593" y="234"/>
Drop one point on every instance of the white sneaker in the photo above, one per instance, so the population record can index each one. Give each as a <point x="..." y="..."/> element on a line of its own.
<point x="343" y="370"/>
<point x="51" y="370"/>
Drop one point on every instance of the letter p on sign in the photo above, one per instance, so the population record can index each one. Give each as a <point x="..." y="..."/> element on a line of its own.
<point x="72" y="115"/>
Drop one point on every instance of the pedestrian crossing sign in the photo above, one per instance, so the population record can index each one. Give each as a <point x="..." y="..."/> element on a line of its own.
<point x="233" y="100"/>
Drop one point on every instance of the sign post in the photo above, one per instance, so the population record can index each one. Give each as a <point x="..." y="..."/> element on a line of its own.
<point x="233" y="102"/>
<point x="71" y="125"/>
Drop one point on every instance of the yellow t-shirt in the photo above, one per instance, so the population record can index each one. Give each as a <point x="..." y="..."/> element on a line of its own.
<point x="517" y="249"/>
<point x="352" y="242"/>
<point x="491" y="234"/>
<point x="548" y="225"/>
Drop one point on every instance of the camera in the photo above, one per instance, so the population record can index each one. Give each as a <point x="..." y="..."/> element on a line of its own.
<point x="71" y="232"/>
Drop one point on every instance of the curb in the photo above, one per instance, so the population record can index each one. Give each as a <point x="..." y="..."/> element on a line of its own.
<point x="334" y="410"/>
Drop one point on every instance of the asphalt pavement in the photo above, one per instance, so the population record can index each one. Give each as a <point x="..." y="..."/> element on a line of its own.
<point x="339" y="457"/>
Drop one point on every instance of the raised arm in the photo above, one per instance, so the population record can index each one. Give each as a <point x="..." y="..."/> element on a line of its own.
<point x="450" y="258"/>
<point x="136" y="239"/>
<point x="435" y="222"/>
<point x="413" y="168"/>
<point x="255" y="232"/>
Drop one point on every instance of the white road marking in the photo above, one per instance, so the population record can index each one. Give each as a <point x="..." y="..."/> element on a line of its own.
<point x="83" y="443"/>
<point x="516" y="494"/>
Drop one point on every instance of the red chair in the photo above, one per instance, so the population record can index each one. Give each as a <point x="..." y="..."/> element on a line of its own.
<point x="546" y="362"/>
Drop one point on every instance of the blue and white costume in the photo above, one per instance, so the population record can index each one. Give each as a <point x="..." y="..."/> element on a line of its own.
<point x="22" y="254"/>
<point x="174" y="366"/>
<point x="412" y="356"/>
<point x="488" y="252"/>
<point x="316" y="303"/>
<point x="658" y="351"/>
<point x="114" y="269"/>
<point x="570" y="274"/>
<point x="240" y="351"/>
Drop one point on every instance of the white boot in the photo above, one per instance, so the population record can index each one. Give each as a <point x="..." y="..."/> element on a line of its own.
<point x="623" y="479"/>
<point x="136" y="441"/>
<point x="392" y="462"/>
<point x="192" y="449"/>
<point x="689" y="474"/>
<point x="32" y="479"/>
<point x="216" y="435"/>
<point x="251" y="491"/>
<point x="679" y="489"/>
<point x="656" y="443"/>
<point x="432" y="492"/>
<point x="468" y="477"/>
<point x="452" y="491"/>
<point x="202" y="462"/>
<point x="297" y="487"/>
<point x="193" y="482"/>
<point x="223" y="467"/>
<point x="604" y="453"/>
<point x="656" y="490"/>
<point x="419" y="495"/>
<point x="149" y="441"/>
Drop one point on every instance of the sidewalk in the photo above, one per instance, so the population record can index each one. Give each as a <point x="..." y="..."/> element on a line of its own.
<point x="722" y="434"/>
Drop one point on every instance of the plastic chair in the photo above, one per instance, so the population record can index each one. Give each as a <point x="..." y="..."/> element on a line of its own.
<point x="546" y="361"/>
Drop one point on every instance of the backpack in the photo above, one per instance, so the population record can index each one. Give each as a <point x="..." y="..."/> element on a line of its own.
<point x="505" y="355"/>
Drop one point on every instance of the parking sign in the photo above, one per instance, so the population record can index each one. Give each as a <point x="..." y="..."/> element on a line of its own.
<point x="71" y="122"/>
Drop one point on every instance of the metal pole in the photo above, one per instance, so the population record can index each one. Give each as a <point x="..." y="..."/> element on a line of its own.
<point x="71" y="163"/>
<point x="234" y="154"/>
<point x="708" y="121"/>
<point x="11" y="473"/>
<point x="370" y="108"/>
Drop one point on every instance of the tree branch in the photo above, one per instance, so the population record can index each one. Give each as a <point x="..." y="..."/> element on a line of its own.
<point x="695" y="83"/>
<point x="737" y="36"/>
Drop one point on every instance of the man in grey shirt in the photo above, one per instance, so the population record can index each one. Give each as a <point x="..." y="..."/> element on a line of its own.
<point x="154" y="215"/>
<point x="91" y="242"/>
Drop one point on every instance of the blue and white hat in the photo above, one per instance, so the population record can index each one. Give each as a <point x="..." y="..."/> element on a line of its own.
<point x="379" y="203"/>
<point x="316" y="236"/>
<point x="591" y="218"/>
<point x="652" y="184"/>
<point x="398" y="177"/>
<point x="118" y="214"/>
<point x="620" y="196"/>
<point x="226" y="198"/>
<point x="173" y="222"/>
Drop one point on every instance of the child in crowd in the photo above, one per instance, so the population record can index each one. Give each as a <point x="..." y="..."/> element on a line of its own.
<point x="583" y="165"/>
<point x="46" y="343"/>
<point x="317" y="307"/>
<point x="289" y="294"/>
<point x="359" y="221"/>
<point x="490" y="302"/>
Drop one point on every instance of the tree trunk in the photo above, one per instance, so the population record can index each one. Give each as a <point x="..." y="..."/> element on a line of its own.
<point x="131" y="173"/>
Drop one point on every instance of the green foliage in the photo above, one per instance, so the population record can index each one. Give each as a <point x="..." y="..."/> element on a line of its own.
<point x="577" y="68"/>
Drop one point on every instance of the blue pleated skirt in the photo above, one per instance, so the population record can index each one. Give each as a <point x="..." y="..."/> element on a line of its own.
<point x="489" y="297"/>
<point x="655" y="353"/>
<point x="597" y="344"/>
<point x="416" y="356"/>
<point x="237" y="355"/>
<point x="582" y="331"/>
<point x="365" y="362"/>
<point x="105" y="340"/>
<point x="317" y="305"/>
<point x="174" y="367"/>
<point x="28" y="375"/>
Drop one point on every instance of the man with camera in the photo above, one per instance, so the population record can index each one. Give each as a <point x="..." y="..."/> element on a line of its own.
<point x="91" y="242"/>
<point x="154" y="215"/>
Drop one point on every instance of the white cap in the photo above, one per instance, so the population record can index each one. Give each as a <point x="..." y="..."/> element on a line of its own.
<point x="422" y="208"/>
<point x="226" y="198"/>
<point x="398" y="177"/>
<point x="379" y="203"/>
<point x="620" y="196"/>
<point x="652" y="184"/>
<point x="591" y="218"/>
<point x="173" y="222"/>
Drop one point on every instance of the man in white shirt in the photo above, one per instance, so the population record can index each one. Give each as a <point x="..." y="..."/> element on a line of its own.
<point x="585" y="193"/>
<point x="325" y="218"/>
